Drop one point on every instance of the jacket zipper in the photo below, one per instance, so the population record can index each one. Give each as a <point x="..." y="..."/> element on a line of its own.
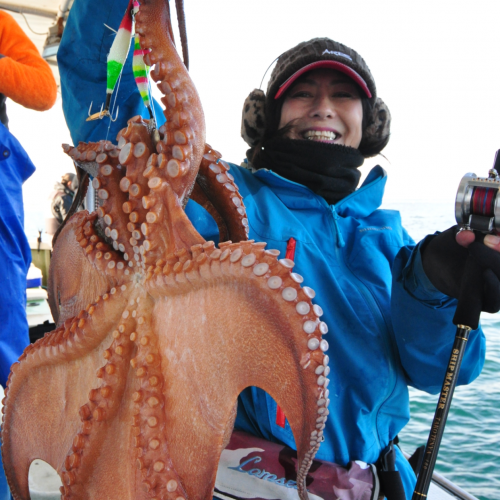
<point x="372" y="305"/>
<point x="338" y="232"/>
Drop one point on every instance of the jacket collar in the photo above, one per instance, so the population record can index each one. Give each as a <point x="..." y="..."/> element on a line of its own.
<point x="365" y="200"/>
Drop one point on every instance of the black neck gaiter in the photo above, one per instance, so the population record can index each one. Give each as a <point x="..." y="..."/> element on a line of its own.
<point x="329" y="170"/>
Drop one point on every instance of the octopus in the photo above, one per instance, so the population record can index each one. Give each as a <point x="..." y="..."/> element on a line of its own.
<point x="134" y="395"/>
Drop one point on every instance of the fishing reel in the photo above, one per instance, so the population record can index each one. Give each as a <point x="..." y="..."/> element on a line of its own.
<point x="477" y="205"/>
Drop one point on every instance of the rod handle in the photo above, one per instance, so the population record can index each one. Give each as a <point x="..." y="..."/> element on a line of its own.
<point x="470" y="300"/>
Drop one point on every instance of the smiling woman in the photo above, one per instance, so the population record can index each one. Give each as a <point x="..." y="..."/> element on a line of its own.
<point x="324" y="106"/>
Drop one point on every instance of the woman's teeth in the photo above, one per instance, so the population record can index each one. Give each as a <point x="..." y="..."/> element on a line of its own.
<point x="320" y="135"/>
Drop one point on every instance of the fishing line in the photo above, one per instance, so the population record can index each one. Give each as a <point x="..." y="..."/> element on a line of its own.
<point x="150" y="93"/>
<point x="262" y="81"/>
<point x="110" y="28"/>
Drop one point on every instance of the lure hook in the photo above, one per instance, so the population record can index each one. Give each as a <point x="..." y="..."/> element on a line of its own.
<point x="116" y="115"/>
<point x="102" y="113"/>
<point x="97" y="116"/>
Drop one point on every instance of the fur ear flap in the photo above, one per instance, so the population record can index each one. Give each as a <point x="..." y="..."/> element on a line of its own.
<point x="253" y="120"/>
<point x="376" y="135"/>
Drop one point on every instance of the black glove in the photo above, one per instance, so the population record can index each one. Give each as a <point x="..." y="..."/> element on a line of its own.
<point x="444" y="263"/>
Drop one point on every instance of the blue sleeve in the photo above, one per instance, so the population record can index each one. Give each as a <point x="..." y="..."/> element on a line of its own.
<point x="422" y="319"/>
<point x="82" y="61"/>
<point x="15" y="168"/>
<point x="202" y="221"/>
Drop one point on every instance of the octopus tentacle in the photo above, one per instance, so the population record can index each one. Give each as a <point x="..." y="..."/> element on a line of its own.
<point x="155" y="468"/>
<point x="135" y="148"/>
<point x="106" y="185"/>
<point x="104" y="404"/>
<point x="199" y="196"/>
<point x="85" y="154"/>
<point x="73" y="281"/>
<point x="77" y="346"/>
<point x="159" y="224"/>
<point x="182" y="137"/>
<point x="80" y="334"/>
<point x="108" y="261"/>
<point x="216" y="191"/>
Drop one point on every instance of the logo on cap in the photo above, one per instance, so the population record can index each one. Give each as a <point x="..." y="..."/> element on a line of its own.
<point x="336" y="53"/>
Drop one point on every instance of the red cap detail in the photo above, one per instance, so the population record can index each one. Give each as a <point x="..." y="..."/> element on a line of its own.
<point x="343" y="68"/>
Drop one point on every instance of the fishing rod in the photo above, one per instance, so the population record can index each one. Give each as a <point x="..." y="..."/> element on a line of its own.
<point x="477" y="208"/>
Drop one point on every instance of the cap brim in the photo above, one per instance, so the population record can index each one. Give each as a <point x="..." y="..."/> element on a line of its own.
<point x="343" y="68"/>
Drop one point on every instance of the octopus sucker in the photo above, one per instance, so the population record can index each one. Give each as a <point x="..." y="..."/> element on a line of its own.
<point x="145" y="309"/>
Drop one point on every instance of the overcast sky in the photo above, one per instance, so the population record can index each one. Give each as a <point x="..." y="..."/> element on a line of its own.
<point x="436" y="64"/>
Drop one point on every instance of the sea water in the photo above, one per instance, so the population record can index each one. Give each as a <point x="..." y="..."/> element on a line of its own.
<point x="470" y="452"/>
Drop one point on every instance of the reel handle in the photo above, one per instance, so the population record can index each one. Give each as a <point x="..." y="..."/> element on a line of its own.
<point x="496" y="162"/>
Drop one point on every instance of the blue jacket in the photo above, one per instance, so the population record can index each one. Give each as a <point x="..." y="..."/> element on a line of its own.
<point x="15" y="168"/>
<point x="388" y="326"/>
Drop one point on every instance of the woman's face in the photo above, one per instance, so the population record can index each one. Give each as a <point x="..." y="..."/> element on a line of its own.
<point x="324" y="105"/>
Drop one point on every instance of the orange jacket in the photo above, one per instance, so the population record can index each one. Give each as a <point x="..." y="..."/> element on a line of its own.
<point x="24" y="76"/>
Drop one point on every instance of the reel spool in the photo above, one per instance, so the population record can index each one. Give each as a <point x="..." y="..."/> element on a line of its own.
<point x="477" y="205"/>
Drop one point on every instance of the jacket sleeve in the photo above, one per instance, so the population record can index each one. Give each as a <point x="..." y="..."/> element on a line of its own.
<point x="24" y="76"/>
<point x="422" y="320"/>
<point x="82" y="60"/>
<point x="55" y="208"/>
<point x="66" y="202"/>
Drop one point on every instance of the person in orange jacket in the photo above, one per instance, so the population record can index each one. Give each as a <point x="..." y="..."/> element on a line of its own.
<point x="24" y="76"/>
<point x="26" y="79"/>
